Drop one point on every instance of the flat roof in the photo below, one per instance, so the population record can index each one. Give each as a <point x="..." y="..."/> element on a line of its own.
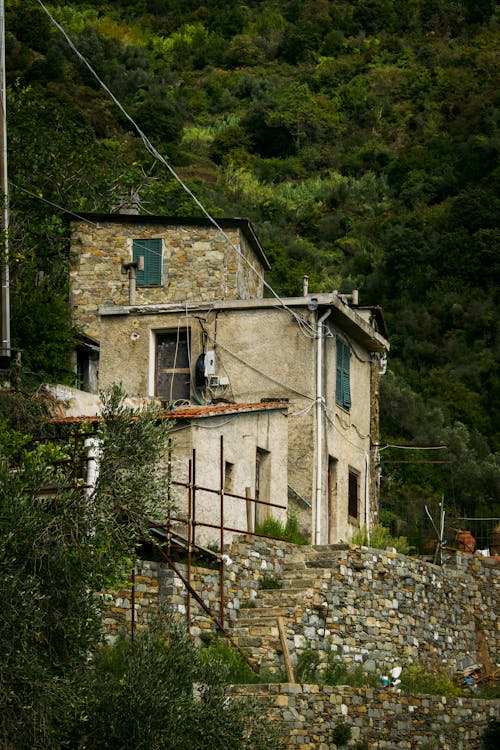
<point x="244" y="225"/>
<point x="354" y="324"/>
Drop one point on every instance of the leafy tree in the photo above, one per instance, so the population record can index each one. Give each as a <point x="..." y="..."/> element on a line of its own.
<point x="160" y="692"/>
<point x="58" y="547"/>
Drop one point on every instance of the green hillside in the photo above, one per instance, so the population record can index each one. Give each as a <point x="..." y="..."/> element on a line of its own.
<point x="361" y="138"/>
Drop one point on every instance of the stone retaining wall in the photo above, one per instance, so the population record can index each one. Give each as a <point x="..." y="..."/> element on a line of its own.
<point x="248" y="562"/>
<point x="370" y="606"/>
<point x="379" y="719"/>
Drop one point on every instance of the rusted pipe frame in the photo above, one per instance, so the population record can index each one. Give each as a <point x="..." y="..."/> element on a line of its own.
<point x="188" y="596"/>
<point x="221" y="572"/>
<point x="230" y="494"/>
<point x="210" y="613"/>
<point x="216" y="526"/>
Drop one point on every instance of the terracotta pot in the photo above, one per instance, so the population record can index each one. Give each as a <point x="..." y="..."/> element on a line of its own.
<point x="495" y="541"/>
<point x="465" y="541"/>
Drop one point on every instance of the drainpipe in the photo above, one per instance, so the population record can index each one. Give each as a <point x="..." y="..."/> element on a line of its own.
<point x="367" y="498"/>
<point x="319" y="424"/>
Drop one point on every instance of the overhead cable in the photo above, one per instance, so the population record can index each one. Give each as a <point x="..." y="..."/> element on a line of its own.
<point x="156" y="154"/>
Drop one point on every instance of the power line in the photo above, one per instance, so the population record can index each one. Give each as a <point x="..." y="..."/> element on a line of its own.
<point x="303" y="325"/>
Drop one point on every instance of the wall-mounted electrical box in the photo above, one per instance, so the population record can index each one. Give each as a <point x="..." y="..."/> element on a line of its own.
<point x="209" y="363"/>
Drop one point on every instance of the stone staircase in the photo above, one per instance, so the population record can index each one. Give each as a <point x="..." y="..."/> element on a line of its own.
<point x="297" y="603"/>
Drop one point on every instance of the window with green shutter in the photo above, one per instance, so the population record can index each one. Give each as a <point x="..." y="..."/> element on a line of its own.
<point x="343" y="384"/>
<point x="151" y="253"/>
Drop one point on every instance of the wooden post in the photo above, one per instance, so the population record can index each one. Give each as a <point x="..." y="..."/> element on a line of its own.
<point x="286" y="653"/>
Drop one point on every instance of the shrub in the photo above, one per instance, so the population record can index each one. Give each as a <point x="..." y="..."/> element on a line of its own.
<point x="381" y="538"/>
<point x="342" y="734"/>
<point x="306" y="669"/>
<point x="269" y="582"/>
<point x="339" y="673"/>
<point x="491" y="736"/>
<point x="159" y="691"/>
<point x="418" y="678"/>
<point x="274" y="528"/>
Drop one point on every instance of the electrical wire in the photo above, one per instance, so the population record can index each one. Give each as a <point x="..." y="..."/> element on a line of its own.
<point x="415" y="447"/>
<point x="356" y="447"/>
<point x="51" y="203"/>
<point x="261" y="372"/>
<point x="153" y="151"/>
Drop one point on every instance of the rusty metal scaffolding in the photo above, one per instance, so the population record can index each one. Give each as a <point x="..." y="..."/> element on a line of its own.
<point x="166" y="537"/>
<point x="191" y="522"/>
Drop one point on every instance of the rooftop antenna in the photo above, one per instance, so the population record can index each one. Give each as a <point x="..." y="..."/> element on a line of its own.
<point x="5" y="351"/>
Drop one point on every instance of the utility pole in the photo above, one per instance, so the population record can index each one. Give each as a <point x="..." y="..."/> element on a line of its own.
<point x="5" y="351"/>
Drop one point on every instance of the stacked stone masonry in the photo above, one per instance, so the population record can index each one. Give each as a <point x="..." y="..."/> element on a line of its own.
<point x="198" y="263"/>
<point x="364" y="606"/>
<point x="379" y="719"/>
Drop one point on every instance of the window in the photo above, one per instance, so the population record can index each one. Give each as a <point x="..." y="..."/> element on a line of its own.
<point x="173" y="378"/>
<point x="228" y="477"/>
<point x="151" y="253"/>
<point x="353" y="498"/>
<point x="262" y="484"/>
<point x="343" y="385"/>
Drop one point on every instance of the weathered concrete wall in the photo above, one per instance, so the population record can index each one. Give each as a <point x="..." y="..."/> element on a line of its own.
<point x="197" y="263"/>
<point x="265" y="355"/>
<point x="383" y="719"/>
<point x="243" y="434"/>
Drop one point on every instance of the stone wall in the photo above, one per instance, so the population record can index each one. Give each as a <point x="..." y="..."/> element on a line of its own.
<point x="384" y="608"/>
<point x="198" y="263"/>
<point x="380" y="719"/>
<point x="367" y="607"/>
<point x="156" y="581"/>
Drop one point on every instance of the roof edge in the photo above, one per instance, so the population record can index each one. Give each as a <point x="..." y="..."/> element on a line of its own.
<point x="243" y="224"/>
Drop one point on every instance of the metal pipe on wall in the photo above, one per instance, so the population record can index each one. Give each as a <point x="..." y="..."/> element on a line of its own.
<point x="319" y="425"/>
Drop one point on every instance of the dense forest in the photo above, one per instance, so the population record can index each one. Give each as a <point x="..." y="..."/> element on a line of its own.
<point x="361" y="139"/>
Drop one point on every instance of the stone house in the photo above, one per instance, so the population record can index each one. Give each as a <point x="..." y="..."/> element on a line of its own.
<point x="178" y="311"/>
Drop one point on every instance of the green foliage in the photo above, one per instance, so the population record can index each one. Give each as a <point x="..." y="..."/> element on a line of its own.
<point x="360" y="137"/>
<point x="161" y="692"/>
<point x="337" y="672"/>
<point x="289" y="532"/>
<point x="269" y="581"/>
<point x="306" y="669"/>
<point x="491" y="736"/>
<point x="57" y="547"/>
<point x="380" y="537"/>
<point x="229" y="661"/>
<point x="418" y="678"/>
<point x="342" y="734"/>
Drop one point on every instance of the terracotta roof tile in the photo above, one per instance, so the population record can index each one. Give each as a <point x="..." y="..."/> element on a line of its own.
<point x="192" y="412"/>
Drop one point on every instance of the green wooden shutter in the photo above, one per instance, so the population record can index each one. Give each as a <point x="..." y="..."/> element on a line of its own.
<point x="343" y="380"/>
<point x="151" y="250"/>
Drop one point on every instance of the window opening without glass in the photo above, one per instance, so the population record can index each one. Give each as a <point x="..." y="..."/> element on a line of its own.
<point x="173" y="378"/>
<point x="353" y="500"/>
